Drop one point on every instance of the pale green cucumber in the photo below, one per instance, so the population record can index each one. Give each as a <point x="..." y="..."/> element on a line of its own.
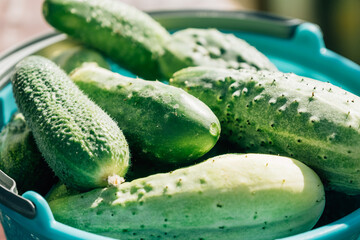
<point x="161" y="123"/>
<point x="230" y="196"/>
<point x="282" y="113"/>
<point x="127" y="35"/>
<point x="21" y="159"/>
<point x="212" y="48"/>
<point x="79" y="141"/>
<point x="74" y="57"/>
<point x="69" y="54"/>
<point x="55" y="49"/>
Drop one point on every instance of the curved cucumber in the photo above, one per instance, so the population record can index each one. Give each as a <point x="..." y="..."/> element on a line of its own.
<point x="211" y="48"/>
<point x="80" y="142"/>
<point x="230" y="196"/>
<point x="161" y="123"/>
<point x="125" y="34"/>
<point x="21" y="159"/>
<point x="280" y="113"/>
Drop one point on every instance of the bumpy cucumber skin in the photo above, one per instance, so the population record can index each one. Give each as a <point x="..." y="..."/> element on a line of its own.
<point x="21" y="159"/>
<point x="230" y="196"/>
<point x="212" y="48"/>
<point x="73" y="58"/>
<point x="272" y="112"/>
<point x="125" y="34"/>
<point x="79" y="141"/>
<point x="162" y="123"/>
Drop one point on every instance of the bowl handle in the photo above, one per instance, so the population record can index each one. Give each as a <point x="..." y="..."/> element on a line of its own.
<point x="9" y="197"/>
<point x="240" y="20"/>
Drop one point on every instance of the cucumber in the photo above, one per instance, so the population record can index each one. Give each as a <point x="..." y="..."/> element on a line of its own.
<point x="73" y="58"/>
<point x="212" y="48"/>
<point x="70" y="54"/>
<point x="161" y="123"/>
<point x="282" y="113"/>
<point x="78" y="140"/>
<point x="55" y="49"/>
<point x="127" y="35"/>
<point x="233" y="196"/>
<point x="59" y="190"/>
<point x="21" y="159"/>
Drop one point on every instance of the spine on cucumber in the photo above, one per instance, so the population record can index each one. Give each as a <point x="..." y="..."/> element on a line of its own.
<point x="79" y="141"/>
<point x="253" y="196"/>
<point x="280" y="113"/>
<point x="162" y="123"/>
<point x="125" y="34"/>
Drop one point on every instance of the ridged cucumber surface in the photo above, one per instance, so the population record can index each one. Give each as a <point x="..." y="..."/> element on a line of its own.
<point x="162" y="123"/>
<point x="79" y="141"/>
<point x="125" y="34"/>
<point x="212" y="48"/>
<point x="234" y="196"/>
<point x="282" y="113"/>
<point x="21" y="159"/>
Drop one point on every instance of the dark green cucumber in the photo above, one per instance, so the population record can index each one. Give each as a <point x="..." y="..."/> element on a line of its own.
<point x="79" y="141"/>
<point x="21" y="159"/>
<point x="74" y="57"/>
<point x="212" y="48"/>
<point x="161" y="123"/>
<point x="233" y="196"/>
<point x="125" y="34"/>
<point x="282" y="113"/>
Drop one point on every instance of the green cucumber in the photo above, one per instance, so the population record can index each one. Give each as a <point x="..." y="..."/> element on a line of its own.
<point x="282" y="113"/>
<point x="161" y="123"/>
<point x="125" y="34"/>
<point x="233" y="196"/>
<point x="74" y="57"/>
<point x="54" y="50"/>
<point x="70" y="54"/>
<point x="79" y="141"/>
<point x="212" y="48"/>
<point x="59" y="190"/>
<point x="21" y="159"/>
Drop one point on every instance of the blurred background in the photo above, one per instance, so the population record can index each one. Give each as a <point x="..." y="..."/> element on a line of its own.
<point x="339" y="20"/>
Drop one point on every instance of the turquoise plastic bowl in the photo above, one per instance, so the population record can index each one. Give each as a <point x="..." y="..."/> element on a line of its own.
<point x="292" y="45"/>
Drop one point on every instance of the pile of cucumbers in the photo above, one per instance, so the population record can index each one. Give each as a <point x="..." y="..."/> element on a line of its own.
<point x="216" y="143"/>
